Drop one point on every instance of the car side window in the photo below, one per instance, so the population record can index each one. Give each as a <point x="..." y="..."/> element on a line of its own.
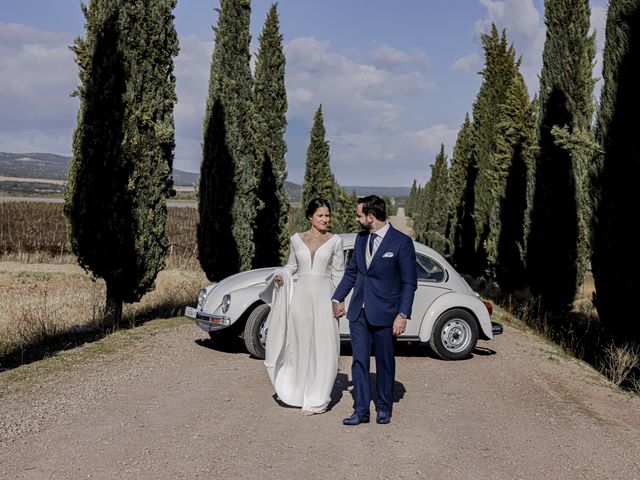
<point x="428" y="269"/>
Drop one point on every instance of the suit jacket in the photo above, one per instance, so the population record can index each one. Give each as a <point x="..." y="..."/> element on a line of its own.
<point x="388" y="286"/>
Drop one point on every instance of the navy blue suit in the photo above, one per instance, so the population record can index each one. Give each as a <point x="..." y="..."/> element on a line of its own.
<point x="385" y="289"/>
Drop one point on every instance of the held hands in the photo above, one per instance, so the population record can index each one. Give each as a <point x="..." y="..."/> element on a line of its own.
<point x="279" y="280"/>
<point x="338" y="309"/>
<point x="399" y="326"/>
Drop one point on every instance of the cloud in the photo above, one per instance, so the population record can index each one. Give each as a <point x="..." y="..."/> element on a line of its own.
<point x="524" y="24"/>
<point x="37" y="75"/>
<point x="357" y="97"/>
<point x="367" y="103"/>
<point x="470" y="64"/>
<point x="525" y="30"/>
<point x="361" y="96"/>
<point x="369" y="159"/>
<point x="373" y="136"/>
<point x="363" y="107"/>
<point x="520" y="16"/>
<point x="389" y="58"/>
<point x="192" y="67"/>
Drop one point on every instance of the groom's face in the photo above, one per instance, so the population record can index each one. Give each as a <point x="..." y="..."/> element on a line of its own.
<point x="365" y="221"/>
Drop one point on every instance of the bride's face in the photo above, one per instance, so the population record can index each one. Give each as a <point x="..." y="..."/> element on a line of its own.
<point x="320" y="219"/>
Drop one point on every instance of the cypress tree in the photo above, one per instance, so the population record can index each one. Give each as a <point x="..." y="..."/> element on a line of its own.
<point x="462" y="178"/>
<point x="318" y="178"/>
<point x="437" y="204"/>
<point x="616" y="257"/>
<point x="120" y="172"/>
<point x="343" y="211"/>
<point x="556" y="253"/>
<point x="270" y="234"/>
<point x="498" y="74"/>
<point x="392" y="208"/>
<point x="508" y="219"/>
<point x="418" y="216"/>
<point x="228" y="172"/>
<point x="411" y="199"/>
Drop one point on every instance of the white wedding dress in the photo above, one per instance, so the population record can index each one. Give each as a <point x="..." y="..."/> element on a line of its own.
<point x="302" y="354"/>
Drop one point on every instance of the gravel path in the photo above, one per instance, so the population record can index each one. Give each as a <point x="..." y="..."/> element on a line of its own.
<point x="174" y="405"/>
<point x="400" y="221"/>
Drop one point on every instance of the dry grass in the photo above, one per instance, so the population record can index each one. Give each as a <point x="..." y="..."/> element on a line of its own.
<point x="46" y="296"/>
<point x="44" y="301"/>
<point x="579" y="334"/>
<point x="619" y="362"/>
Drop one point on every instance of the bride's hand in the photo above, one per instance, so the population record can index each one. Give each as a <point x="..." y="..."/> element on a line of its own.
<point x="279" y="280"/>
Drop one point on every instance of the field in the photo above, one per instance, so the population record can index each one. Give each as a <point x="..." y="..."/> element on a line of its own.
<point x="32" y="231"/>
<point x="45" y="295"/>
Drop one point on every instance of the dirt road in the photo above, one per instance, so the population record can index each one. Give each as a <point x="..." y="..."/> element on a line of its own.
<point x="173" y="405"/>
<point x="400" y="221"/>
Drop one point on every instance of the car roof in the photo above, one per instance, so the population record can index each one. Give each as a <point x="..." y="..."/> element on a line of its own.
<point x="349" y="239"/>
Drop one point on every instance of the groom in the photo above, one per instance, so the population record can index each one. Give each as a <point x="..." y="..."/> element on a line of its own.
<point x="382" y="273"/>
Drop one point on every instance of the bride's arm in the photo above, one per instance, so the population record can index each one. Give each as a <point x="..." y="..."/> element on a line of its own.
<point x="337" y="263"/>
<point x="292" y="264"/>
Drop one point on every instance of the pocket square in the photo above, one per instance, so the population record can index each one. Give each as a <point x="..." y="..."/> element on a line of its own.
<point x="387" y="255"/>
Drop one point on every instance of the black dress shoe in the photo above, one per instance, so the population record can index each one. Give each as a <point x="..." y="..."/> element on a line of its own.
<point x="355" y="419"/>
<point x="383" y="417"/>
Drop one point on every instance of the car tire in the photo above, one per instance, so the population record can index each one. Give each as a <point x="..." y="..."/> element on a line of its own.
<point x="255" y="334"/>
<point x="454" y="335"/>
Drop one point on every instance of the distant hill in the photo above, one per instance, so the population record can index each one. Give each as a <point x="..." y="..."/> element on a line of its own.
<point x="294" y="190"/>
<point x="382" y="191"/>
<point x="54" y="167"/>
<point x="184" y="179"/>
<point x="34" y="165"/>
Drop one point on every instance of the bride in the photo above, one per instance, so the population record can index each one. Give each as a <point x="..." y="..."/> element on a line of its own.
<point x="303" y="343"/>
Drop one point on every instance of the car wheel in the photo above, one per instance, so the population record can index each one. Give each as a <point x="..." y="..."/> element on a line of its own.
<point x="255" y="331"/>
<point x="454" y="335"/>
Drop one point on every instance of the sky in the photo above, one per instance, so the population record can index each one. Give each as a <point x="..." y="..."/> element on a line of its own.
<point x="395" y="79"/>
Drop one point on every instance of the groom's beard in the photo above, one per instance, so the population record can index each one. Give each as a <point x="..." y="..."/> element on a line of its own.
<point x="366" y="228"/>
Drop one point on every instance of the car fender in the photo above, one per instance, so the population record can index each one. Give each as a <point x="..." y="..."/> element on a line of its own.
<point x="452" y="300"/>
<point x="242" y="300"/>
<point x="240" y="286"/>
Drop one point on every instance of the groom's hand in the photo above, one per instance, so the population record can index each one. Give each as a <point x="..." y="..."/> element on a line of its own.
<point x="338" y="309"/>
<point x="399" y="325"/>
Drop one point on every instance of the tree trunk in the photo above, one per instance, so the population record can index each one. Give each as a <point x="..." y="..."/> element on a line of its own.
<point x="112" y="310"/>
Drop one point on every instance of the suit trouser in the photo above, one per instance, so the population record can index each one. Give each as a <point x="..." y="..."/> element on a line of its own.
<point x="364" y="336"/>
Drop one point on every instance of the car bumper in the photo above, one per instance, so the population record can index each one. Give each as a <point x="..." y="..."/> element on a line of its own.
<point x="496" y="328"/>
<point x="208" y="322"/>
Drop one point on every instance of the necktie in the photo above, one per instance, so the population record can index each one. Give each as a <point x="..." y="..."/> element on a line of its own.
<point x="372" y="238"/>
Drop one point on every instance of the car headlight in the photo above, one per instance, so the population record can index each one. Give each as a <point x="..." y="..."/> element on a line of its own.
<point x="201" y="296"/>
<point x="226" y="301"/>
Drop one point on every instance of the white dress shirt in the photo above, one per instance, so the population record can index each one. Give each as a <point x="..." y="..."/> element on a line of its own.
<point x="380" y="233"/>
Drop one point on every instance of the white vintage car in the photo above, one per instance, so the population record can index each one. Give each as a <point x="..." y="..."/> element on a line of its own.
<point x="447" y="313"/>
